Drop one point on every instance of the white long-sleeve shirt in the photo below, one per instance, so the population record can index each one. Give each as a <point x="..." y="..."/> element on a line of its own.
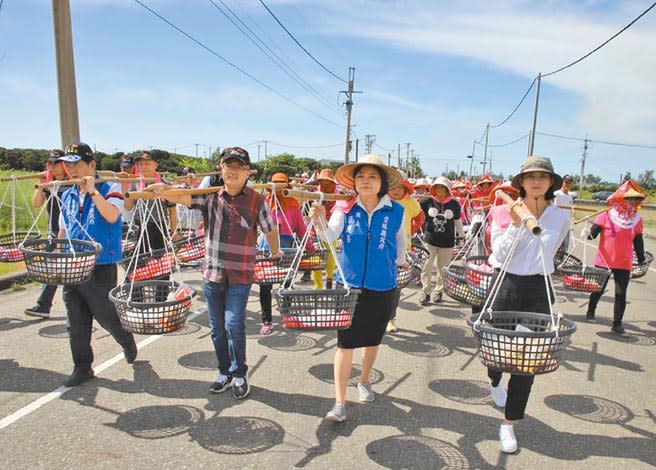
<point x="555" y="224"/>
<point x="336" y="225"/>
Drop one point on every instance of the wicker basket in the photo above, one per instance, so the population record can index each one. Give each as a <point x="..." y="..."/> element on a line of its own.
<point x="60" y="261"/>
<point x="9" y="251"/>
<point x="456" y="287"/>
<point x="507" y="349"/>
<point x="640" y="269"/>
<point x="150" y="265"/>
<point x="269" y="270"/>
<point x="584" y="278"/>
<point x="421" y="255"/>
<point x="479" y="275"/>
<point x="403" y="276"/>
<point x="565" y="260"/>
<point x="317" y="309"/>
<point x="314" y="261"/>
<point x="147" y="311"/>
<point x="190" y="248"/>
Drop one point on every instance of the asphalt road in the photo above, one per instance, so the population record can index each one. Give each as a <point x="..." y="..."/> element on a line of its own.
<point x="432" y="409"/>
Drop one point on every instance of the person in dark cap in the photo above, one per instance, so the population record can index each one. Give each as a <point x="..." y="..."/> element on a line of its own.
<point x="92" y="210"/>
<point x="231" y="218"/>
<point x="524" y="285"/>
<point x="54" y="172"/>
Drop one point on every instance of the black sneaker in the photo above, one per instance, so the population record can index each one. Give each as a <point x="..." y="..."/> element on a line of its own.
<point x="437" y="298"/>
<point x="329" y="283"/>
<point x="589" y="315"/>
<point x="221" y="385"/>
<point x="130" y="352"/>
<point x="37" y="311"/>
<point x="619" y="329"/>
<point x="241" y="391"/>
<point x="80" y="375"/>
<point x="425" y="300"/>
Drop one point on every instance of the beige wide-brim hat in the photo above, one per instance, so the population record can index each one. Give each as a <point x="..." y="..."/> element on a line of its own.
<point x="344" y="174"/>
<point x="441" y="181"/>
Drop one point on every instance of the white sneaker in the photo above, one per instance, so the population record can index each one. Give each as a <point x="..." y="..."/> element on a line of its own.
<point x="507" y="440"/>
<point x="337" y="414"/>
<point x="499" y="395"/>
<point x="366" y="394"/>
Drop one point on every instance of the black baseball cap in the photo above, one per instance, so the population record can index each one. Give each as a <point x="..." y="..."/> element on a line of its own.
<point x="75" y="152"/>
<point x="235" y="153"/>
<point x="54" y="156"/>
<point x="145" y="155"/>
<point x="127" y="161"/>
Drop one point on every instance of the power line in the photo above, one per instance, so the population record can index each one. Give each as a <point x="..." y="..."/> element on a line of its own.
<point x="299" y="44"/>
<point x="236" y="67"/>
<point x="510" y="143"/>
<point x="602" y="44"/>
<point x="305" y="146"/>
<point x="516" y="107"/>
<point x="280" y="63"/>
<point x="606" y="142"/>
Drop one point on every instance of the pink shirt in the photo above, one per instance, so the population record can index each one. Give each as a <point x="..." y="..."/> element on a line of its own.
<point x="616" y="243"/>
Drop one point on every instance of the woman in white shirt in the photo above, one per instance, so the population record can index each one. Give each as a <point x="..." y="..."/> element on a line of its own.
<point x="524" y="288"/>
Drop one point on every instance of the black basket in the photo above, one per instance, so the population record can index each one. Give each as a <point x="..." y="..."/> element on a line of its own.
<point x="503" y="348"/>
<point x="314" y="261"/>
<point x="584" y="278"/>
<point x="146" y="311"/>
<point x="317" y="309"/>
<point x="456" y="287"/>
<point x="269" y="270"/>
<point x="457" y="253"/>
<point x="565" y="260"/>
<point x="150" y="265"/>
<point x="9" y="251"/>
<point x="190" y="247"/>
<point x="403" y="275"/>
<point x="60" y="261"/>
<point x="421" y="254"/>
<point x="640" y="269"/>
<point x="478" y="279"/>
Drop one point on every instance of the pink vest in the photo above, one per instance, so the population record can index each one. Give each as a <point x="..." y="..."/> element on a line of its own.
<point x="616" y="243"/>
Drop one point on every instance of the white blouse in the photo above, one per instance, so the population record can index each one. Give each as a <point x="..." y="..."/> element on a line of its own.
<point x="555" y="224"/>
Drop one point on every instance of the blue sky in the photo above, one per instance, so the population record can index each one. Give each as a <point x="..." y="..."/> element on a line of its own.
<point x="433" y="73"/>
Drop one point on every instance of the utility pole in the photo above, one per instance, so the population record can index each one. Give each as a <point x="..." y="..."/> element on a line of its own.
<point x="349" y="108"/>
<point x="266" y="152"/>
<point x="196" y="150"/>
<point x="487" y="133"/>
<point x="258" y="152"/>
<point x="471" y="164"/>
<point x="398" y="149"/>
<point x="371" y="138"/>
<point x="357" y="148"/>
<point x="68" y="116"/>
<point x="585" y="152"/>
<point x="415" y="159"/>
<point x="531" y="140"/>
<point x="407" y="153"/>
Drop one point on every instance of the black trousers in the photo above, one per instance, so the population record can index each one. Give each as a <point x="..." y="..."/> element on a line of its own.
<point x="87" y="301"/>
<point x="523" y="294"/>
<point x="622" y="278"/>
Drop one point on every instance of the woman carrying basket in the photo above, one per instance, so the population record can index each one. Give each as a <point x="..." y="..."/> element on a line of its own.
<point x="286" y="213"/>
<point x="373" y="244"/>
<point x="524" y="286"/>
<point x="621" y="233"/>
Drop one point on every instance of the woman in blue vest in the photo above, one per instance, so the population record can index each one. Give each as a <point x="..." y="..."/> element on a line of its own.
<point x="374" y="243"/>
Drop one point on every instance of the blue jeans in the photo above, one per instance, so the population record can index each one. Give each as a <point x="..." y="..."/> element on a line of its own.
<point x="44" y="302"/>
<point x="226" y="311"/>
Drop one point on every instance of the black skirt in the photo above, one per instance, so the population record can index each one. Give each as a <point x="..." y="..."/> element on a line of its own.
<point x="372" y="312"/>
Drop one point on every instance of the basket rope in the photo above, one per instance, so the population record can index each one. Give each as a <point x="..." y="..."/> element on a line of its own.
<point x="12" y="186"/>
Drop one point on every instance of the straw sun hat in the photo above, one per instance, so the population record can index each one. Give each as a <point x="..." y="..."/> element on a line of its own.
<point x="344" y="174"/>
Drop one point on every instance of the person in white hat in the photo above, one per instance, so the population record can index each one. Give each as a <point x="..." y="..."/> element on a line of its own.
<point x="373" y="244"/>
<point x="442" y="222"/>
